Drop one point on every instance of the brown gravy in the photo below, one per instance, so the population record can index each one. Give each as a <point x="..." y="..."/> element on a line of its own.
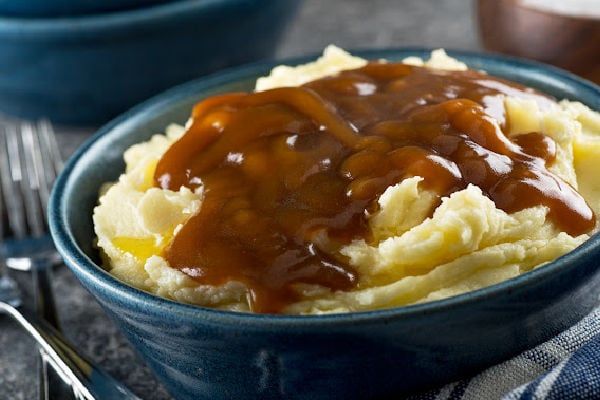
<point x="286" y="168"/>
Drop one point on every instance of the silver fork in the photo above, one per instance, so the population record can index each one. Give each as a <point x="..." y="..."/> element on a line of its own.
<point x="29" y="161"/>
<point x="29" y="169"/>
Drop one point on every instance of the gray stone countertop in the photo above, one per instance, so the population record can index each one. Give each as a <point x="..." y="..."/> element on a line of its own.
<point x="351" y="24"/>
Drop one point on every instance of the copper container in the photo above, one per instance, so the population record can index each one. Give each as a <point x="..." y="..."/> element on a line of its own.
<point x="567" y="40"/>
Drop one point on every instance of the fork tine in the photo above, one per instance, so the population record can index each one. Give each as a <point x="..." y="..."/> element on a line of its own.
<point x="31" y="189"/>
<point x="3" y="170"/>
<point x="11" y="172"/>
<point x="49" y="138"/>
<point x="51" y="161"/>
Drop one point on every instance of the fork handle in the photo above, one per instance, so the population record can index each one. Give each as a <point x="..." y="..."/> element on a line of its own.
<point x="51" y="385"/>
<point x="44" y="298"/>
<point x="87" y="380"/>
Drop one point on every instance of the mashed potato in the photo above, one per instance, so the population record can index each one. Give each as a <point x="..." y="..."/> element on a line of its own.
<point x="466" y="244"/>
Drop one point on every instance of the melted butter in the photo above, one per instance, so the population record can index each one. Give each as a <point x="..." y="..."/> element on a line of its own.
<point x="290" y="174"/>
<point x="140" y="248"/>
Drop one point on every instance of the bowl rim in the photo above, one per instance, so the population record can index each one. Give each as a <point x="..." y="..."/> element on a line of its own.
<point x="117" y="20"/>
<point x="121" y="292"/>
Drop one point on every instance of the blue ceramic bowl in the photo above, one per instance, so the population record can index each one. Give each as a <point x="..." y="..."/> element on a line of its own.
<point x="53" y="8"/>
<point x="88" y="69"/>
<point x="201" y="353"/>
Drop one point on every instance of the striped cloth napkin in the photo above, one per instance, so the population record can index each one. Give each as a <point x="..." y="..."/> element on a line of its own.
<point x="566" y="367"/>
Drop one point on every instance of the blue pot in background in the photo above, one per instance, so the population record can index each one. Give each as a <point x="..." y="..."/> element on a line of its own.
<point x="88" y="69"/>
<point x="54" y="8"/>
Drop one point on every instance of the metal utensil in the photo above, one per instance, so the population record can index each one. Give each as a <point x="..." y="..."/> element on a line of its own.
<point x="29" y="163"/>
<point x="88" y="381"/>
<point x="30" y="160"/>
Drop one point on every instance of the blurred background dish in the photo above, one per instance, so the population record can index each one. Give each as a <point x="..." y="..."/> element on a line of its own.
<point x="87" y="69"/>
<point x="53" y="8"/>
<point x="558" y="32"/>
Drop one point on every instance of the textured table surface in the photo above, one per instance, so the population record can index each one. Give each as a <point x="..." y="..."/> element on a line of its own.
<point x="352" y="24"/>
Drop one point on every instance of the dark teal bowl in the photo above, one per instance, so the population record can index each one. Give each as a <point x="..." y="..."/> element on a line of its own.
<point x="200" y="353"/>
<point x="88" y="69"/>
